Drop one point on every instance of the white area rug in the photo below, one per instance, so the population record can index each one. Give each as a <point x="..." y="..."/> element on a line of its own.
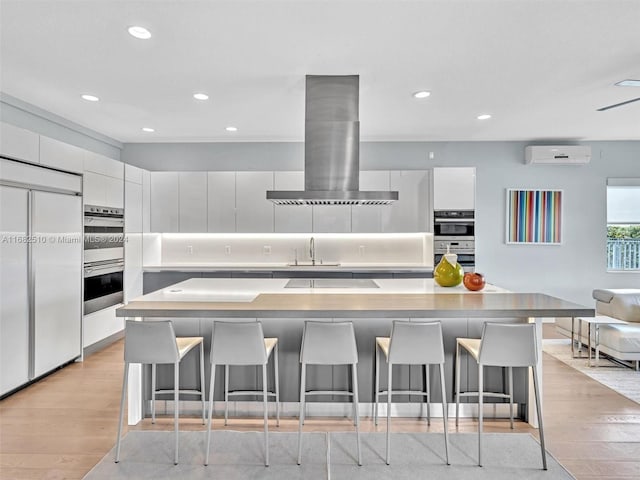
<point x="239" y="455"/>
<point x="625" y="381"/>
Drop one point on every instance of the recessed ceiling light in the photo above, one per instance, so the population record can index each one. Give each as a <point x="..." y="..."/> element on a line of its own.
<point x="484" y="116"/>
<point x="90" y="98"/>
<point x="201" y="96"/>
<point x="148" y="129"/>
<point x="422" y="94"/>
<point x="231" y="129"/>
<point x="139" y="32"/>
<point x="629" y="83"/>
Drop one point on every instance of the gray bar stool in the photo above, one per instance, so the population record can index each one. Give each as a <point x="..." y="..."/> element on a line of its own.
<point x="152" y="343"/>
<point x="329" y="343"/>
<point x="185" y="345"/>
<point x="501" y="345"/>
<point x="243" y="343"/>
<point x="411" y="343"/>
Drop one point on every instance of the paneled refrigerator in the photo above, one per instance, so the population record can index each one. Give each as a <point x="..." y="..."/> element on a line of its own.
<point x="40" y="272"/>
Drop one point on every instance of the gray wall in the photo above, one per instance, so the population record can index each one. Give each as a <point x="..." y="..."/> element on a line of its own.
<point x="571" y="270"/>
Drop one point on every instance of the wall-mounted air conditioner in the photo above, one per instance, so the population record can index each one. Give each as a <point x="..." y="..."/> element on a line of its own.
<point x="557" y="154"/>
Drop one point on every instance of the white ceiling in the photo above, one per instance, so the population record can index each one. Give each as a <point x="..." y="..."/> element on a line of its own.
<point x="541" y="68"/>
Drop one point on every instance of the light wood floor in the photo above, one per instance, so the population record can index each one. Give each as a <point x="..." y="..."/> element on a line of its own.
<point x="60" y="427"/>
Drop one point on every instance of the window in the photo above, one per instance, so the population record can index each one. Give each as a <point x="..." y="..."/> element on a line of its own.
<point x="623" y="224"/>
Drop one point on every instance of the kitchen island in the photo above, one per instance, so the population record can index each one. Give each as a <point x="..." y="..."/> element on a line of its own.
<point x="282" y="307"/>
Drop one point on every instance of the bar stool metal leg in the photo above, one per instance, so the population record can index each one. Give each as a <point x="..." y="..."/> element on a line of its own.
<point x="303" y="375"/>
<point x="153" y="393"/>
<point x="427" y="381"/>
<point x="211" y="389"/>
<point x="536" y="388"/>
<point x="355" y="402"/>
<point x="226" y="394"/>
<point x="511" y="395"/>
<point x="444" y="412"/>
<point x="457" y="382"/>
<point x="480" y="411"/>
<point x="266" y="418"/>
<point x="176" y="398"/>
<point x="389" y="394"/>
<point x="125" y="380"/>
<point x="277" y="384"/>
<point x="377" y="385"/>
<point x="202" y="394"/>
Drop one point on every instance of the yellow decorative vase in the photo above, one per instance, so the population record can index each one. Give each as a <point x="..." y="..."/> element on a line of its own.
<point x="448" y="273"/>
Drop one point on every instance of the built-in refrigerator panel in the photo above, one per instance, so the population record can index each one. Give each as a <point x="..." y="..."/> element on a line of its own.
<point x="57" y="277"/>
<point x="14" y="297"/>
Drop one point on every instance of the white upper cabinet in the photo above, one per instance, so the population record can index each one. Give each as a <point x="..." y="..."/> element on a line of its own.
<point x="63" y="156"/>
<point x="411" y="212"/>
<point x="165" y="193"/>
<point x="103" y="181"/>
<point x="96" y="163"/>
<point x="221" y="202"/>
<point x="291" y="218"/>
<point x="192" y="202"/>
<point x="454" y="188"/>
<point x="368" y="218"/>
<point x="102" y="190"/>
<point x="133" y="174"/>
<point x="254" y="213"/>
<point x="19" y="143"/>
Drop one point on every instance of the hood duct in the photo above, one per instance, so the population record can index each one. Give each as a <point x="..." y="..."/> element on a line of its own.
<point x="331" y="147"/>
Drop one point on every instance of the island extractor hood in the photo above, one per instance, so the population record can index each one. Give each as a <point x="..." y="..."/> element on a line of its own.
<point x="331" y="147"/>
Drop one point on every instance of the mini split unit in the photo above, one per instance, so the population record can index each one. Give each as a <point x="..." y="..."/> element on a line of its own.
<point x="557" y="155"/>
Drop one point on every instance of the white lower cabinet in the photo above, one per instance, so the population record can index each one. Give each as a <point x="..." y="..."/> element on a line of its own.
<point x="100" y="325"/>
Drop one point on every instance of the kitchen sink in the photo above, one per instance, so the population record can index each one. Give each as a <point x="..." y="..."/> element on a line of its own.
<point x="310" y="264"/>
<point x="331" y="283"/>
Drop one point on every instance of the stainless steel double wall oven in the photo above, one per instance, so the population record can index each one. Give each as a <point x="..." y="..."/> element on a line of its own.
<point x="456" y="229"/>
<point x="103" y="257"/>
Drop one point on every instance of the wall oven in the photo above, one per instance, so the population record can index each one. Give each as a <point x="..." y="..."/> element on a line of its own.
<point x="455" y="229"/>
<point x="103" y="257"/>
<point x="454" y="223"/>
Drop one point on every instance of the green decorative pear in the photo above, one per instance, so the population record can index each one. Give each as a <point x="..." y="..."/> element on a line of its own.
<point x="448" y="273"/>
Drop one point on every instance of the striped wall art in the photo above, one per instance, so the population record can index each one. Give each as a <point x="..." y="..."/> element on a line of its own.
<point x="534" y="216"/>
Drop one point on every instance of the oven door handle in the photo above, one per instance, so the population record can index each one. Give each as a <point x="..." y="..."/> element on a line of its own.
<point x="94" y="271"/>
<point x="466" y="221"/>
<point x="104" y="222"/>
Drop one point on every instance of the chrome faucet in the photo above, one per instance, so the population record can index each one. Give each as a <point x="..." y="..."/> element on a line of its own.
<point x="312" y="251"/>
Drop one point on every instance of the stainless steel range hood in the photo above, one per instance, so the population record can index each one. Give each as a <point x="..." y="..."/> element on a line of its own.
<point x="331" y="147"/>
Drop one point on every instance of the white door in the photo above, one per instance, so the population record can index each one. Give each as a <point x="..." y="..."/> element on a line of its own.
<point x="14" y="297"/>
<point x="57" y="267"/>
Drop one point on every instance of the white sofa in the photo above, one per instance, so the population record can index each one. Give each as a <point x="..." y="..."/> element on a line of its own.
<point x="618" y="341"/>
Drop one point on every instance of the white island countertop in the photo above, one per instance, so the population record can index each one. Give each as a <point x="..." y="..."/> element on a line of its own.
<point x="235" y="297"/>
